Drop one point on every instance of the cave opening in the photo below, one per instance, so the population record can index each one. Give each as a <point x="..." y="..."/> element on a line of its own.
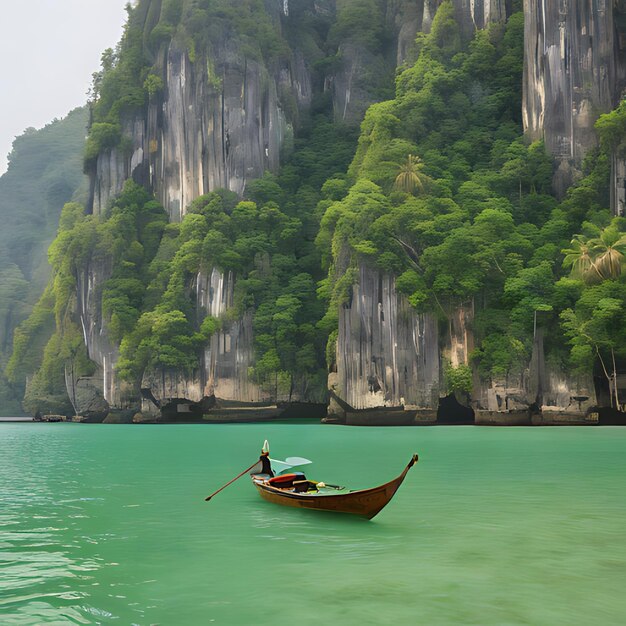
<point x="451" y="411"/>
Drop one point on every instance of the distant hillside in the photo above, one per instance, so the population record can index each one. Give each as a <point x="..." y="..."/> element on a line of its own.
<point x="45" y="172"/>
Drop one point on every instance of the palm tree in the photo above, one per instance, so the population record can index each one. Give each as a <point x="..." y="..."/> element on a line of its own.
<point x="410" y="177"/>
<point x="609" y="250"/>
<point x="579" y="258"/>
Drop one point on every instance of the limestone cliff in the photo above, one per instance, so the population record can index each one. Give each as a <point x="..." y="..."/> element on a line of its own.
<point x="387" y="354"/>
<point x="355" y="84"/>
<point x="230" y="353"/>
<point x="222" y="117"/>
<point x="221" y="120"/>
<point x="478" y="14"/>
<point x="100" y="349"/>
<point x="213" y="127"/>
<point x="573" y="62"/>
<point x="574" y="70"/>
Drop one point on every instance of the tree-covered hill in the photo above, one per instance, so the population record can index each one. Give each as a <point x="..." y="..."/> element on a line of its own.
<point x="45" y="172"/>
<point x="442" y="194"/>
<point x="450" y="197"/>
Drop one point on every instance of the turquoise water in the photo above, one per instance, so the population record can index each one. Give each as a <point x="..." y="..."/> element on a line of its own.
<point x="108" y="525"/>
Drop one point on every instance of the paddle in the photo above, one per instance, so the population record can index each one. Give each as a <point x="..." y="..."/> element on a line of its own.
<point x="230" y="482"/>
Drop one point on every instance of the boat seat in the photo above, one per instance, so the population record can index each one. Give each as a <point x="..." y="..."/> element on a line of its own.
<point x="286" y="481"/>
<point x="302" y="486"/>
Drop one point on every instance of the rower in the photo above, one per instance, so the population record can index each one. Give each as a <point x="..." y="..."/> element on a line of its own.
<point x="264" y="462"/>
<point x="266" y="466"/>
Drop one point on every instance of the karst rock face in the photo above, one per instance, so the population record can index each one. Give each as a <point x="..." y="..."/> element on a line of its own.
<point x="222" y="120"/>
<point x="387" y="353"/>
<point x="574" y="70"/>
<point x="223" y="371"/>
<point x="201" y="135"/>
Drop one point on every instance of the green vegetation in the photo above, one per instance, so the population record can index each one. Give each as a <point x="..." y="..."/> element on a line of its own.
<point x="267" y="242"/>
<point x="119" y="247"/>
<point x="458" y="379"/>
<point x="446" y="194"/>
<point x="442" y="191"/>
<point x="211" y="21"/>
<point x="118" y="86"/>
<point x="147" y="297"/>
<point x="44" y="173"/>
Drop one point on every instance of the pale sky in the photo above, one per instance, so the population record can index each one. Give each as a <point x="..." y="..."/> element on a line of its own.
<point x="48" y="51"/>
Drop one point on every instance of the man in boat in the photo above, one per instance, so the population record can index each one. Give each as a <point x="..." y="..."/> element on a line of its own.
<point x="264" y="466"/>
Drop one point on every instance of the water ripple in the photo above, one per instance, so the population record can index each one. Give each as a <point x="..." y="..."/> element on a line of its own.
<point x="102" y="525"/>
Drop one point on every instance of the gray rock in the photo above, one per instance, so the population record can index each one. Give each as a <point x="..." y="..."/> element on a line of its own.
<point x="574" y="70"/>
<point x="387" y="354"/>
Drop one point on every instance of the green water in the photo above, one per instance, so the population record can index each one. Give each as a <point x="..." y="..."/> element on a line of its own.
<point x="108" y="525"/>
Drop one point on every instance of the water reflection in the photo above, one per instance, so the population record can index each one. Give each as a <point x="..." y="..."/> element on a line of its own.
<point x="349" y="538"/>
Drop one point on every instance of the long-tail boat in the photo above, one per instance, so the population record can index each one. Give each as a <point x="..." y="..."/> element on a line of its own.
<point x="295" y="490"/>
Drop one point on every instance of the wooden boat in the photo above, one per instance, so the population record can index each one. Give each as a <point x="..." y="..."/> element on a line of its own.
<point x="364" y="502"/>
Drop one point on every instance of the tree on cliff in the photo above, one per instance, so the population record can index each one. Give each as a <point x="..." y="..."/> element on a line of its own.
<point x="596" y="328"/>
<point x="410" y="177"/>
<point x="598" y="258"/>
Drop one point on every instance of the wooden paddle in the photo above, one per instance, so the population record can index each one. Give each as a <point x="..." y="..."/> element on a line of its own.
<point x="230" y="481"/>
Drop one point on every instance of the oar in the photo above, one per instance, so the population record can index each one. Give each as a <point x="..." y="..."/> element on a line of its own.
<point x="230" y="482"/>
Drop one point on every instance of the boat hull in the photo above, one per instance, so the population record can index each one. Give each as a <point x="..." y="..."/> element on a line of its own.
<point x="364" y="503"/>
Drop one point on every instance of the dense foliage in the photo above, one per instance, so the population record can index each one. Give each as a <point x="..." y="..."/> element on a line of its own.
<point x="267" y="243"/>
<point x="449" y="197"/>
<point x="442" y="191"/>
<point x="44" y="173"/>
<point x="118" y="247"/>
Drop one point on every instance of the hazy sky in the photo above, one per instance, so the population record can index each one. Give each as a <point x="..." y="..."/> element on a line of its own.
<point x="48" y="52"/>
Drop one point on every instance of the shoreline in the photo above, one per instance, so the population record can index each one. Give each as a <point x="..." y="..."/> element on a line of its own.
<point x="308" y="421"/>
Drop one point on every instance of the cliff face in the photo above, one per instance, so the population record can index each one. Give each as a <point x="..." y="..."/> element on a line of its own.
<point x="100" y="349"/>
<point x="224" y="368"/>
<point x="223" y="119"/>
<point x="230" y="352"/>
<point x="352" y="86"/>
<point x="574" y="71"/>
<point x="537" y="383"/>
<point x="204" y="132"/>
<point x="387" y="354"/>
<point x="478" y="14"/>
<point x="220" y="120"/>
